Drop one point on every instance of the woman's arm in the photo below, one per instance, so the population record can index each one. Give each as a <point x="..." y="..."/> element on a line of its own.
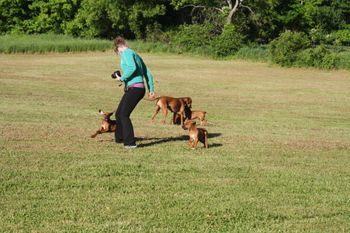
<point x="149" y="80"/>
<point x="129" y="65"/>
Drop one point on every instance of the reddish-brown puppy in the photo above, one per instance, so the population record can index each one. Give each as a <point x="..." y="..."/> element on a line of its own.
<point x="196" y="134"/>
<point x="107" y="125"/>
<point x="175" y="105"/>
<point x="200" y="115"/>
<point x="192" y="115"/>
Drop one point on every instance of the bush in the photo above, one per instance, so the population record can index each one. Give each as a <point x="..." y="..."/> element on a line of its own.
<point x="341" y="37"/>
<point x="319" y="57"/>
<point x="344" y="59"/>
<point x="227" y="43"/>
<point x="284" y="50"/>
<point x="194" y="38"/>
<point x="154" y="33"/>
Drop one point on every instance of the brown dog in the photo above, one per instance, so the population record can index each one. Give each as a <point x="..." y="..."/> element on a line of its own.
<point x="200" y="115"/>
<point x="196" y="134"/>
<point x="175" y="105"/>
<point x="191" y="115"/>
<point x="107" y="125"/>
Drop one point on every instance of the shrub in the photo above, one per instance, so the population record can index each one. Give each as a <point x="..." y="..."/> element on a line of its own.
<point x="194" y="38"/>
<point x="154" y="33"/>
<point x="344" y="59"/>
<point x="284" y="50"/>
<point x="319" y="57"/>
<point x="227" y="43"/>
<point x="341" y="37"/>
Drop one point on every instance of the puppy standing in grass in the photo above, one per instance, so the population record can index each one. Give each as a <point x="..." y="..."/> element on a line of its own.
<point x="191" y="115"/>
<point x="196" y="134"/>
<point x="134" y="71"/>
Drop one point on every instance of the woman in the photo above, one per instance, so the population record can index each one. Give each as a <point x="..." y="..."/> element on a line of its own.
<point x="134" y="71"/>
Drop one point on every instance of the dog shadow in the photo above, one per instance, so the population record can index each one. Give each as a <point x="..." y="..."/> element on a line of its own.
<point x="173" y="139"/>
<point x="214" y="135"/>
<point x="159" y="140"/>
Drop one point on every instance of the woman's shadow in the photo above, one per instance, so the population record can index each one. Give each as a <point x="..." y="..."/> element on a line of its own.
<point x="155" y="141"/>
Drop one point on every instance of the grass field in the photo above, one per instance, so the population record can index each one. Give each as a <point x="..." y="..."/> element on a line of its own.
<point x="278" y="157"/>
<point x="44" y="43"/>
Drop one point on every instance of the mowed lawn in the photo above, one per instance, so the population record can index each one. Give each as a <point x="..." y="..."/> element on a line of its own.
<point x="278" y="157"/>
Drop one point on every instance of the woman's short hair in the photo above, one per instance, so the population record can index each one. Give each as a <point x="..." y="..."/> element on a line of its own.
<point x="119" y="41"/>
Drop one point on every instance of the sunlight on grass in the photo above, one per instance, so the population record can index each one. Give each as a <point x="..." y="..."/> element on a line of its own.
<point x="278" y="157"/>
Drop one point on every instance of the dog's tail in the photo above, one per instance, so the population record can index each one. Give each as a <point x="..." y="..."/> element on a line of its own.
<point x="152" y="99"/>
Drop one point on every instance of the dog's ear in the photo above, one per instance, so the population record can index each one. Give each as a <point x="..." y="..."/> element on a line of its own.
<point x="101" y="112"/>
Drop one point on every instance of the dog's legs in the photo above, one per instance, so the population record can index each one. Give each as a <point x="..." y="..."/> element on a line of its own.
<point x="165" y="112"/>
<point x="156" y="112"/>
<point x="173" y="120"/>
<point x="203" y="120"/>
<point x="97" y="132"/>
<point x="182" y="118"/>
<point x="206" y="140"/>
<point x="190" y="142"/>
<point x="195" y="142"/>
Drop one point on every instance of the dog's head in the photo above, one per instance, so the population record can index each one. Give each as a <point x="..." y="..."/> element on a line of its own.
<point x="188" y="124"/>
<point x="188" y="101"/>
<point x="106" y="115"/>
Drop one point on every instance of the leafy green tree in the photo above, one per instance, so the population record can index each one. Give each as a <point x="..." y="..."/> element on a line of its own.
<point x="51" y="15"/>
<point x="144" y="13"/>
<point x="13" y="14"/>
<point x="107" y="18"/>
<point x="94" y="19"/>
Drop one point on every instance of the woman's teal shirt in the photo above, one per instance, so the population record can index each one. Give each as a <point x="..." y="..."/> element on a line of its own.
<point x="134" y="69"/>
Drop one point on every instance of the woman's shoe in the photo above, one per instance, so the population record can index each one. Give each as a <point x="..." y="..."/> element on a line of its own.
<point x="130" y="146"/>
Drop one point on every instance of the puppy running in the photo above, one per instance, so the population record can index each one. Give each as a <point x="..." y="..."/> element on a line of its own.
<point x="196" y="134"/>
<point x="107" y="125"/>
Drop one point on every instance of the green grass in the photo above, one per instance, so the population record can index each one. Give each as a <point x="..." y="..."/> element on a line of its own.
<point x="44" y="43"/>
<point x="259" y="53"/>
<point x="344" y="62"/>
<point x="278" y="157"/>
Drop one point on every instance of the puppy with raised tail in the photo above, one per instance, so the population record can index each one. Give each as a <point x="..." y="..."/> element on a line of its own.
<point x="196" y="134"/>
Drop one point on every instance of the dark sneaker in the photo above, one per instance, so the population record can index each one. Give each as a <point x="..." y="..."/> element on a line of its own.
<point x="130" y="146"/>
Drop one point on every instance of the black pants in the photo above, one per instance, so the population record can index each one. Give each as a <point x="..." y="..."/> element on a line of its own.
<point x="125" y="130"/>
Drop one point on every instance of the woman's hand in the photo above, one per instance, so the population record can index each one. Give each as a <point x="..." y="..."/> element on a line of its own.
<point x="118" y="77"/>
<point x="151" y="95"/>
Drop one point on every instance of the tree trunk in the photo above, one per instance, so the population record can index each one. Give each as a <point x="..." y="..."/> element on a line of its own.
<point x="232" y="10"/>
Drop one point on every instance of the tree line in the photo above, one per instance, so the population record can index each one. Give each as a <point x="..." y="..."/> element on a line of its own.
<point x="293" y="32"/>
<point x="258" y="20"/>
